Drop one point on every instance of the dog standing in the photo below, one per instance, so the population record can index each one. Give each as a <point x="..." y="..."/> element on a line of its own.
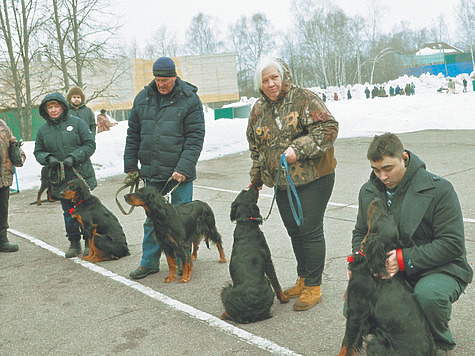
<point x="385" y="308"/>
<point x="176" y="228"/>
<point x="45" y="185"/>
<point x="100" y="227"/>
<point x="250" y="297"/>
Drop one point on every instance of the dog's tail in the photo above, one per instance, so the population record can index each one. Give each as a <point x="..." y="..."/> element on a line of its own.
<point x="247" y="305"/>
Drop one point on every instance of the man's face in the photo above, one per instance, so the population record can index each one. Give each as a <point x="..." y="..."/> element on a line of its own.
<point x="165" y="84"/>
<point x="271" y="83"/>
<point x="76" y="100"/>
<point x="390" y="170"/>
<point x="54" y="109"/>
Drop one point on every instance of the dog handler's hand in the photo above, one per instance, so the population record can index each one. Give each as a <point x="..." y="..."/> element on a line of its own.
<point x="178" y="177"/>
<point x="392" y="266"/>
<point x="290" y="155"/>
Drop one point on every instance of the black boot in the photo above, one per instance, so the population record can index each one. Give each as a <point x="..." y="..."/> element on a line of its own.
<point x="6" y="246"/>
<point x="86" y="247"/>
<point x="74" y="249"/>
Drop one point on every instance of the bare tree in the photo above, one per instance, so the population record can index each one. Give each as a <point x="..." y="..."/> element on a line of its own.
<point x="252" y="38"/>
<point x="81" y="34"/>
<point x="19" y="22"/>
<point x="201" y="39"/>
<point x="162" y="44"/>
<point x="466" y="17"/>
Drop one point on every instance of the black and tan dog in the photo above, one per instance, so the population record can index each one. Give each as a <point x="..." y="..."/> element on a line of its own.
<point x="105" y="234"/>
<point x="45" y="185"/>
<point x="250" y="297"/>
<point x="176" y="228"/>
<point x="385" y="308"/>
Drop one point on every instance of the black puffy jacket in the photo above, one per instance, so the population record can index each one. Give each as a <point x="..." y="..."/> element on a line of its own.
<point x="66" y="136"/>
<point x="166" y="132"/>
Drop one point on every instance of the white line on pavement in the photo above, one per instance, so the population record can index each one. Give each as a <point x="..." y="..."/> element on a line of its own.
<point x="209" y="319"/>
<point x="270" y="196"/>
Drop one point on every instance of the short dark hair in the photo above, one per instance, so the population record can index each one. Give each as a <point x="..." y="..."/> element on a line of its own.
<point x="387" y="144"/>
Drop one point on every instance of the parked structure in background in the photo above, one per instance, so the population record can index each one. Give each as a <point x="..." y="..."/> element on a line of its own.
<point x="435" y="58"/>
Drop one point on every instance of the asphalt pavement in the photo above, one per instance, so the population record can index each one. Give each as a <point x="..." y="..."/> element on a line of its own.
<point x="52" y="305"/>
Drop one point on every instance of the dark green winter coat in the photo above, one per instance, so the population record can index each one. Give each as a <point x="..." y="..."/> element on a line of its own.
<point x="166" y="132"/>
<point x="427" y="211"/>
<point x="66" y="136"/>
<point x="86" y="114"/>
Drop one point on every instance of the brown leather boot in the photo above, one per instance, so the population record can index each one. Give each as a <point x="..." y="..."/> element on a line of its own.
<point x="309" y="297"/>
<point x="296" y="290"/>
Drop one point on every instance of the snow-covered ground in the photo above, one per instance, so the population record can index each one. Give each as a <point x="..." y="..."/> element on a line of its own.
<point x="357" y="117"/>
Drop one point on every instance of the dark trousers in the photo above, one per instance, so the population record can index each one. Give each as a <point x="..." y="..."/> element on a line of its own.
<point x="4" y="196"/>
<point x="308" y="240"/>
<point x="73" y="231"/>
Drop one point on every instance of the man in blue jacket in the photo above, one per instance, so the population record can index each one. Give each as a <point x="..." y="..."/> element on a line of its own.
<point x="426" y="208"/>
<point x="165" y="134"/>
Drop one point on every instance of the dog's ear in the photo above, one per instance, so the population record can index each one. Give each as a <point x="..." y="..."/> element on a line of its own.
<point x="375" y="252"/>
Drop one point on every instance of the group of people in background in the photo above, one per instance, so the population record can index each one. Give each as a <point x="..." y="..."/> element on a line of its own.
<point x="408" y="89"/>
<point x="165" y="136"/>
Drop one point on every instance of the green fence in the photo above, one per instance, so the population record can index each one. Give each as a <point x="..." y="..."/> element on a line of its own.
<point x="11" y="118"/>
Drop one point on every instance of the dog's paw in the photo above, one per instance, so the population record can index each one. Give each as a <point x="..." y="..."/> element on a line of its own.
<point x="226" y="316"/>
<point x="169" y="279"/>
<point x="184" y="280"/>
<point x="283" y="298"/>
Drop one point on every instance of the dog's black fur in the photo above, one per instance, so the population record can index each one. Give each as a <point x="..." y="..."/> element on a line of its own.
<point x="45" y="185"/>
<point x="100" y="226"/>
<point x="176" y="228"/>
<point x="385" y="308"/>
<point x="250" y="297"/>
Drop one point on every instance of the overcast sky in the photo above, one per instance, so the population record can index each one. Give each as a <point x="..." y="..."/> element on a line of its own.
<point x="142" y="18"/>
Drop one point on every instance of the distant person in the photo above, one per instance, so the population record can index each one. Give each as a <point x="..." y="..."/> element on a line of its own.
<point x="407" y="89"/>
<point x="335" y="96"/>
<point x="348" y="94"/>
<point x="65" y="144"/>
<point x="374" y="92"/>
<point x="324" y="97"/>
<point x="391" y="91"/>
<point x="76" y="100"/>
<point x="397" y="91"/>
<point x="11" y="156"/>
<point x="382" y="93"/>
<point x="451" y="86"/>
<point x="367" y="92"/>
<point x="464" y="85"/>
<point x="293" y="121"/>
<point x="413" y="88"/>
<point x="104" y="122"/>
<point x="166" y="133"/>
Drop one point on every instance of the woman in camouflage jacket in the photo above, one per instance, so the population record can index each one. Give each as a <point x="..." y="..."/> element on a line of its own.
<point x="294" y="121"/>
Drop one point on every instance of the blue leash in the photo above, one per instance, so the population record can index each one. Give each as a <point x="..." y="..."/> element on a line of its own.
<point x="298" y="217"/>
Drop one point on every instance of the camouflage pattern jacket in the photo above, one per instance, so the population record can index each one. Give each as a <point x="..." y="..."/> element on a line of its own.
<point x="7" y="170"/>
<point x="300" y="119"/>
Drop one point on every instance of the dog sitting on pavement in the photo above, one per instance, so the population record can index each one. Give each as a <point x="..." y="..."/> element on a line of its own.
<point x="45" y="185"/>
<point x="250" y="297"/>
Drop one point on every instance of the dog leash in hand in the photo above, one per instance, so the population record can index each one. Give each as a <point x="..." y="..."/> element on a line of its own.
<point x="132" y="180"/>
<point x="297" y="213"/>
<point x="169" y="194"/>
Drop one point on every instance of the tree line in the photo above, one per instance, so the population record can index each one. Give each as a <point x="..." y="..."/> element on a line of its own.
<point x="49" y="45"/>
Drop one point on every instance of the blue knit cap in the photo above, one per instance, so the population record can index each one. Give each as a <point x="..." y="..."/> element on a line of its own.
<point x="164" y="67"/>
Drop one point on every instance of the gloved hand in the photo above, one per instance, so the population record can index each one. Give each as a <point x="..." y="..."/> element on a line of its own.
<point x="68" y="161"/>
<point x="52" y="161"/>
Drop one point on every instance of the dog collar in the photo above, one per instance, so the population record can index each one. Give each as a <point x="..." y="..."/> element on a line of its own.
<point x="351" y="258"/>
<point x="71" y="211"/>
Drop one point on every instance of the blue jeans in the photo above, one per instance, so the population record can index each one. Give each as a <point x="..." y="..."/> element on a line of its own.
<point x="72" y="226"/>
<point x="151" y="251"/>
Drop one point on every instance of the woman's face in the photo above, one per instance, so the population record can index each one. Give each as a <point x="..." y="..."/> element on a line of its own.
<point x="271" y="82"/>
<point x="54" y="109"/>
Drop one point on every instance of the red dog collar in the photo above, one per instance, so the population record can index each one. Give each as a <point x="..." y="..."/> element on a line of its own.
<point x="71" y="211"/>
